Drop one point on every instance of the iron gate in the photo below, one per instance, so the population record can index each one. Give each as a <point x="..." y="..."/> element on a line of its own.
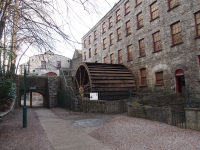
<point x="178" y="119"/>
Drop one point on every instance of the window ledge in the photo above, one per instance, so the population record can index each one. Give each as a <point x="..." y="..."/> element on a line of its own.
<point x="177" y="44"/>
<point x="126" y="13"/>
<point x="143" y="85"/>
<point x="141" y="56"/>
<point x="104" y="48"/>
<point x="159" y="84"/>
<point x="129" y="60"/>
<point x="119" y="40"/>
<point x="197" y="37"/>
<point x="111" y="44"/>
<point x="95" y="54"/>
<point x="173" y="7"/>
<point x="154" y="19"/>
<point x="103" y="32"/>
<point x="110" y="27"/>
<point x="118" y="20"/>
<point x="128" y="34"/>
<point x="138" y="4"/>
<point x="157" y="51"/>
<point x="139" y="27"/>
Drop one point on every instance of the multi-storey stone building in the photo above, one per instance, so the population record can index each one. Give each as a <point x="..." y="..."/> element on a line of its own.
<point x="159" y="40"/>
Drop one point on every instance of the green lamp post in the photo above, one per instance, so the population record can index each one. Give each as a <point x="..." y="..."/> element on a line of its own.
<point x="24" y="107"/>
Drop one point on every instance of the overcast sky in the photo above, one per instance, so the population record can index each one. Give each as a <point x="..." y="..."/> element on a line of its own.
<point x="76" y="22"/>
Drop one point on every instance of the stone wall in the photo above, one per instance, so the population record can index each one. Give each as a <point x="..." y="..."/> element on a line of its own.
<point x="53" y="87"/>
<point x="192" y="118"/>
<point x="153" y="113"/>
<point x="170" y="58"/>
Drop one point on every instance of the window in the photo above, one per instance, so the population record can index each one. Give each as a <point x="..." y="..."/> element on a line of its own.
<point x="197" y="23"/>
<point x="104" y="43"/>
<point x="105" y="60"/>
<point x="110" y="22"/>
<point x="104" y="27"/>
<point x="84" y="56"/>
<point x="176" y="33"/>
<point x="159" y="78"/>
<point x="127" y="7"/>
<point x="120" y="57"/>
<point x="128" y="27"/>
<point x="90" y="53"/>
<point x="143" y="77"/>
<point x="58" y="64"/>
<point x="138" y="2"/>
<point x="95" y="49"/>
<point x="199" y="60"/>
<point x="95" y="35"/>
<point x="43" y="64"/>
<point x="84" y="43"/>
<point x="117" y="15"/>
<point x="112" y="58"/>
<point x="89" y="40"/>
<point x="141" y="48"/>
<point x="154" y="10"/>
<point x="129" y="53"/>
<point x="111" y="39"/>
<point x="172" y="3"/>
<point x="139" y="20"/>
<point x="157" y="41"/>
<point x="119" y="36"/>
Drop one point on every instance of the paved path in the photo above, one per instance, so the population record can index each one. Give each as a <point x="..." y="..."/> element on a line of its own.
<point x="64" y="136"/>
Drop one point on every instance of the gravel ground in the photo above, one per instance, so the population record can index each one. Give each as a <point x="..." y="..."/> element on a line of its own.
<point x="118" y="132"/>
<point x="128" y="133"/>
<point x="14" y="137"/>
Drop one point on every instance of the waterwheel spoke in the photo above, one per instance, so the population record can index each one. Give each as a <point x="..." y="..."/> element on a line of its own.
<point x="88" y="84"/>
<point x="77" y="83"/>
<point x="83" y="77"/>
<point x="80" y="76"/>
<point x="86" y="88"/>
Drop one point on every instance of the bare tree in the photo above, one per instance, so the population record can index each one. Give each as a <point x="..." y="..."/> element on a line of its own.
<point x="33" y="23"/>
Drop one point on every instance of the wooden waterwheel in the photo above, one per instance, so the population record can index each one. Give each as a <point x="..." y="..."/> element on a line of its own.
<point x="94" y="77"/>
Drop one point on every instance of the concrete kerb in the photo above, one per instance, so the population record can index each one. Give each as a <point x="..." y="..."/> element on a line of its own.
<point x="4" y="114"/>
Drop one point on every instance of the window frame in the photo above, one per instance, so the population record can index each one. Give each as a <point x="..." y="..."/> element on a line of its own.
<point x="158" y="80"/>
<point x="119" y="34"/>
<point x="141" y="45"/>
<point x="104" y="43"/>
<point x="172" y="1"/>
<point x="112" y="58"/>
<point x="95" y="34"/>
<point x="137" y="2"/>
<point x="154" y="42"/>
<point x="89" y="39"/>
<point x="140" y="20"/>
<point x="111" y="38"/>
<point x="118" y="18"/>
<point x="95" y="49"/>
<point x="143" y="79"/>
<point x="128" y="27"/>
<point x="110" y="22"/>
<point x="43" y="64"/>
<point x="120" y="56"/>
<point x="84" y="56"/>
<point x="103" y="27"/>
<point x="129" y="53"/>
<point x="89" y="52"/>
<point x="174" y="34"/>
<point x="105" y="60"/>
<point x="127" y="7"/>
<point x="152" y="12"/>
<point x="84" y="43"/>
<point x="58" y="64"/>
<point x="197" y="26"/>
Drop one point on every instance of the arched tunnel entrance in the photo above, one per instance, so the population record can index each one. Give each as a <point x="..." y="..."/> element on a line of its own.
<point x="33" y="99"/>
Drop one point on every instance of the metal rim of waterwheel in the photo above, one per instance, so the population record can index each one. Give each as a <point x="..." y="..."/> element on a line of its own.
<point x="90" y="77"/>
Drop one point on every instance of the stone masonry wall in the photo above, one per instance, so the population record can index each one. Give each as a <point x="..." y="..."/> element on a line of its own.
<point x="182" y="56"/>
<point x="53" y="86"/>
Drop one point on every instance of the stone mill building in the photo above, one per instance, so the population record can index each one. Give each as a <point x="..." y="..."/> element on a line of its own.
<point x="159" y="40"/>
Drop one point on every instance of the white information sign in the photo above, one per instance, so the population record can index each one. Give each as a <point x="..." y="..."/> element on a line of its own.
<point x="93" y="96"/>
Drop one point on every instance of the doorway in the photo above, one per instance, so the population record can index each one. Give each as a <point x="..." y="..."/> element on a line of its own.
<point x="180" y="81"/>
